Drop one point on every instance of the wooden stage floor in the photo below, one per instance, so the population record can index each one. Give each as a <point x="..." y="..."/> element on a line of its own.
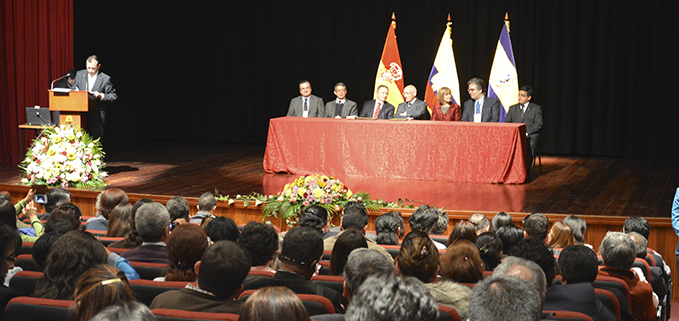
<point x="568" y="185"/>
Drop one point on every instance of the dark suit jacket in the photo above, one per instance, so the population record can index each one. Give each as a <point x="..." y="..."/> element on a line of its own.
<point x="349" y="109"/>
<point x="417" y="109"/>
<point x="316" y="108"/>
<point x="102" y="84"/>
<point x="298" y="284"/>
<point x="532" y="117"/>
<point x="147" y="253"/>
<point x="192" y="300"/>
<point x="578" y="297"/>
<point x="387" y="111"/>
<point x="490" y="112"/>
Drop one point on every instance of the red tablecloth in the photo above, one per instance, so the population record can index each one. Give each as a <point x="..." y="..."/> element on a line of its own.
<point x="431" y="150"/>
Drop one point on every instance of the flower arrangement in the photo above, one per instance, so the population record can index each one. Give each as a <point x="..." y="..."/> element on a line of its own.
<point x="321" y="190"/>
<point x="64" y="156"/>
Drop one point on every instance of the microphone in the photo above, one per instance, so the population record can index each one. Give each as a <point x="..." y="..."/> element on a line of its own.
<point x="68" y="74"/>
<point x="47" y="122"/>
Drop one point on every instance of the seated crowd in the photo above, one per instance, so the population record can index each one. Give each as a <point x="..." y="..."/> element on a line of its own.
<point x="485" y="269"/>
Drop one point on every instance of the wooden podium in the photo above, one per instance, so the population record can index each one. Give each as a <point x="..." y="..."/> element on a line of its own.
<point x="74" y="103"/>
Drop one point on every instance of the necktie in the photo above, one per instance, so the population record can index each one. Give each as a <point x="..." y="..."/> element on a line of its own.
<point x="306" y="104"/>
<point x="377" y="109"/>
<point x="478" y="107"/>
<point x="523" y="110"/>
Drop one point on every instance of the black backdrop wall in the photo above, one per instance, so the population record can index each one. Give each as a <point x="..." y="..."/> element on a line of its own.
<point x="604" y="71"/>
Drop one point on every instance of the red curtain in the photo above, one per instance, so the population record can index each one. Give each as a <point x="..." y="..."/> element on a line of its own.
<point x="37" y="47"/>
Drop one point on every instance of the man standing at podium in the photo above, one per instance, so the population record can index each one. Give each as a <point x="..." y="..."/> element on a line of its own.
<point x="99" y="85"/>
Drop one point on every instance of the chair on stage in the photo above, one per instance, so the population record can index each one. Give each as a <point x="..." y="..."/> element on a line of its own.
<point x="25" y="308"/>
<point x="24" y="282"/>
<point x="181" y="315"/>
<point x="314" y="304"/>
<point x="146" y="290"/>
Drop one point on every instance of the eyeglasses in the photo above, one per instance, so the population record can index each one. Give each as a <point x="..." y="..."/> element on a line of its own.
<point x="11" y="259"/>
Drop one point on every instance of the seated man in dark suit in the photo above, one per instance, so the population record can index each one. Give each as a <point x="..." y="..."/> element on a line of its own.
<point x="480" y="108"/>
<point x="221" y="272"/>
<point x="579" y="267"/>
<point x="411" y="107"/>
<point x="378" y="108"/>
<point x="306" y="105"/>
<point x="341" y="107"/>
<point x="640" y="225"/>
<point x="302" y="249"/>
<point x="153" y="226"/>
<point x="530" y="114"/>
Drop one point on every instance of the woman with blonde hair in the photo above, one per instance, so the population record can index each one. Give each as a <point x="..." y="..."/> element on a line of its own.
<point x="446" y="109"/>
<point x="99" y="288"/>
<point x="560" y="236"/>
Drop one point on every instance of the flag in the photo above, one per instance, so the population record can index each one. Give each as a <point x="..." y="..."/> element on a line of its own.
<point x="389" y="72"/>
<point x="503" y="82"/>
<point x="444" y="71"/>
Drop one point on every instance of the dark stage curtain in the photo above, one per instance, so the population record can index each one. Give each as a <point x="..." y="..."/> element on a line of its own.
<point x="37" y="46"/>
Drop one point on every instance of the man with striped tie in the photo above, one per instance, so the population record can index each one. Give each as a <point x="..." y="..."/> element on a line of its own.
<point x="378" y="108"/>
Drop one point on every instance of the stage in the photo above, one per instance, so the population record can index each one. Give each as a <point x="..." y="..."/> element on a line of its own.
<point x="568" y="185"/>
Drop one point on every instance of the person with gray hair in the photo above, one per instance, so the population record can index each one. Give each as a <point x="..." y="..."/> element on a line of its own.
<point x="153" y="226"/>
<point x="341" y="107"/>
<point x="526" y="270"/>
<point x="618" y="252"/>
<point x="361" y="264"/>
<point x="481" y="222"/>
<point x="387" y="297"/>
<point x="658" y="279"/>
<point x="178" y="207"/>
<point x="504" y="297"/>
<point x="129" y="311"/>
<point x="207" y="205"/>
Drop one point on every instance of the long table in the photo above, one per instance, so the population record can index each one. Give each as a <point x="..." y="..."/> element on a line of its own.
<point x="429" y="150"/>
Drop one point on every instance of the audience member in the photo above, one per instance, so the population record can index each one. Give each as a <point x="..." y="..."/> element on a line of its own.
<point x="100" y="287"/>
<point x="579" y="228"/>
<point x="501" y="298"/>
<point x="463" y="230"/>
<point x="425" y="218"/>
<point x="388" y="229"/>
<point x="41" y="247"/>
<point x="63" y="219"/>
<point x="490" y="249"/>
<point x="261" y="241"/>
<point x="462" y="263"/>
<point x="355" y="216"/>
<point x="579" y="268"/>
<point x="316" y="217"/>
<point x="618" y="252"/>
<point x="19" y="206"/>
<point x="185" y="247"/>
<point x="418" y="257"/>
<point x="526" y="270"/>
<point x="390" y="298"/>
<point x="350" y="240"/>
<point x="70" y="257"/>
<point x="640" y="225"/>
<point x="10" y="244"/>
<point x="221" y="272"/>
<point x="273" y="303"/>
<point x="128" y="311"/>
<point x="132" y="239"/>
<point x="559" y="237"/>
<point x="441" y="224"/>
<point x="9" y="217"/>
<point x="510" y="235"/>
<point x="658" y="279"/>
<point x="178" y="207"/>
<point x="152" y="222"/>
<point x="106" y="201"/>
<point x="481" y="223"/>
<point x="120" y="221"/>
<point x="448" y="291"/>
<point x="302" y="250"/>
<point x="361" y="264"/>
<point x="55" y="197"/>
<point x="537" y="251"/>
<point x="536" y="226"/>
<point x="222" y="229"/>
<point x="207" y="205"/>
<point x="501" y="219"/>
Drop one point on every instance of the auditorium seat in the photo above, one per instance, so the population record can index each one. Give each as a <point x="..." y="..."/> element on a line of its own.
<point x="621" y="291"/>
<point x="117" y="250"/>
<point x="26" y="248"/>
<point x="97" y="232"/>
<point x="335" y="282"/>
<point x="25" y="308"/>
<point x="326" y="255"/>
<point x="181" y="315"/>
<point x="609" y="300"/>
<point x="149" y="271"/>
<point x="261" y="273"/>
<point x="487" y="273"/>
<point x="448" y="311"/>
<point x="392" y="249"/>
<point x="645" y="268"/>
<point x="26" y="262"/>
<point x="568" y="315"/>
<point x="146" y="290"/>
<point x="106" y="240"/>
<point x="314" y="304"/>
<point x="24" y="282"/>
<point x="325" y="268"/>
<point x="443" y="239"/>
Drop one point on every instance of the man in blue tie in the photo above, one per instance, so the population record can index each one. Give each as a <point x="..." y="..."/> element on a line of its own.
<point x="480" y="108"/>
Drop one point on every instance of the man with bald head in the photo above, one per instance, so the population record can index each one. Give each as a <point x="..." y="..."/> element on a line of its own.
<point x="411" y="107"/>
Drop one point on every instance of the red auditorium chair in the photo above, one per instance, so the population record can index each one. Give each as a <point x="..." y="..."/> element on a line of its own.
<point x="335" y="282"/>
<point x="36" y="309"/>
<point x="146" y="290"/>
<point x="261" y="273"/>
<point x="25" y="261"/>
<point x="97" y="232"/>
<point x="392" y="249"/>
<point x="181" y="315"/>
<point x="609" y="300"/>
<point x="569" y="315"/>
<point x="450" y="312"/>
<point x="326" y="255"/>
<point x="106" y="240"/>
<point x="621" y="291"/>
<point x="26" y="248"/>
<point x="117" y="250"/>
<point x="24" y="282"/>
<point x="314" y="304"/>
<point x="149" y="271"/>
